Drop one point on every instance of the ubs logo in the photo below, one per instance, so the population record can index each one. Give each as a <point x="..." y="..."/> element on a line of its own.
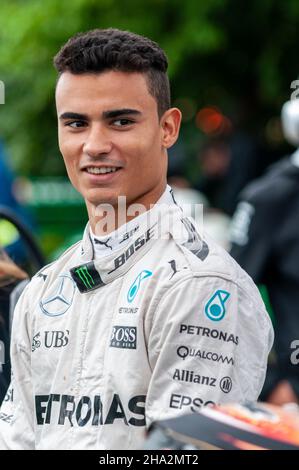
<point x="50" y="339"/>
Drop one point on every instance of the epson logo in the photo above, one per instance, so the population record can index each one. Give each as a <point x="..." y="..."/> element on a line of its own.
<point x="180" y="402"/>
<point x="138" y="243"/>
<point x="69" y="410"/>
<point x="209" y="333"/>
<point x="185" y="351"/>
<point x="124" y="337"/>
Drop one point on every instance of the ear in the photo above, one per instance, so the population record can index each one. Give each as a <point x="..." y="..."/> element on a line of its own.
<point x="170" y="124"/>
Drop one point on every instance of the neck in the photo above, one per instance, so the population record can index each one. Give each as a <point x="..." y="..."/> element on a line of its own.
<point x="105" y="218"/>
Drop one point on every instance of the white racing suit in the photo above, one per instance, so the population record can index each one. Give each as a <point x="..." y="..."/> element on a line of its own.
<point x="163" y="325"/>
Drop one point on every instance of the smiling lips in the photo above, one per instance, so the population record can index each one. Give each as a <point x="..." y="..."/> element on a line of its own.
<point x="100" y="171"/>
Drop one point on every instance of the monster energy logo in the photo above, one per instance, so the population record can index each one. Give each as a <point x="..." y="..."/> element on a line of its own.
<point x="85" y="277"/>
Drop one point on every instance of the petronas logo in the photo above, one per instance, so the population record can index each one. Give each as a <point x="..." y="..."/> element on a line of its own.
<point x="215" y="307"/>
<point x="85" y="277"/>
<point x="136" y="284"/>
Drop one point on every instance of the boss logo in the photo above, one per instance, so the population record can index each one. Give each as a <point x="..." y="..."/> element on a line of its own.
<point x="124" y="337"/>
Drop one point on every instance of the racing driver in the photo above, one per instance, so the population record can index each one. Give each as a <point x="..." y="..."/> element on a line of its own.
<point x="141" y="320"/>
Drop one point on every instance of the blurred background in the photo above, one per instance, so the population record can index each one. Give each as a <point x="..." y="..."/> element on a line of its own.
<point x="231" y="67"/>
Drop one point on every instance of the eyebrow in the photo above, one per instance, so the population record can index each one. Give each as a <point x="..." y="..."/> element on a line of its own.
<point x="69" y="115"/>
<point x="106" y="114"/>
<point x="120" y="112"/>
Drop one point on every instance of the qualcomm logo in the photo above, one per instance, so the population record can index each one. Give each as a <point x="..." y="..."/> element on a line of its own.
<point x="215" y="307"/>
<point x="132" y="292"/>
<point x="61" y="298"/>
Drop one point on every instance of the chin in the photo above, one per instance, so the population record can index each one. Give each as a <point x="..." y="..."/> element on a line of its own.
<point x="96" y="197"/>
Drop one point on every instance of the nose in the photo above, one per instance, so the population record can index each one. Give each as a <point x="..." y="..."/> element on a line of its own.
<point x="97" y="142"/>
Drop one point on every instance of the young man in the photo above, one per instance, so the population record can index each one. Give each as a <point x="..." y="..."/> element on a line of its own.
<point x="143" y="320"/>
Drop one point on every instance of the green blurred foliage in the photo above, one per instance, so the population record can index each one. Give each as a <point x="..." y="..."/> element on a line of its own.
<point x="241" y="56"/>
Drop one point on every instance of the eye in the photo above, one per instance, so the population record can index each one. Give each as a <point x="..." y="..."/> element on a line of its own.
<point x="75" y="124"/>
<point x="122" y="122"/>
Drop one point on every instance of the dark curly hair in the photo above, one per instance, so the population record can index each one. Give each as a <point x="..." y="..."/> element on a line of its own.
<point x="100" y="50"/>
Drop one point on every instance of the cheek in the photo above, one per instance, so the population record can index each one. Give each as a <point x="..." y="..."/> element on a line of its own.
<point x="68" y="148"/>
<point x="65" y="143"/>
<point x="140" y="161"/>
<point x="61" y="139"/>
<point x="143" y="151"/>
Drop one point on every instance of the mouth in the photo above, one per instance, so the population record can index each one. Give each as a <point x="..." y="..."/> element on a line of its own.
<point x="101" y="173"/>
<point x="103" y="170"/>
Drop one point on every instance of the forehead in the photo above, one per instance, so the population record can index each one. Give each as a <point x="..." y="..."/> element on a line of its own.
<point x="111" y="89"/>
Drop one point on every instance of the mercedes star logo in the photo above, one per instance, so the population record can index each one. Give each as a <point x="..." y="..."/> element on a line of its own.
<point x="61" y="297"/>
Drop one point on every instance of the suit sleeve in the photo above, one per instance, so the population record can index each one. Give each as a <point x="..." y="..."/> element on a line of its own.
<point x="251" y="238"/>
<point x="208" y="345"/>
<point x="16" y="414"/>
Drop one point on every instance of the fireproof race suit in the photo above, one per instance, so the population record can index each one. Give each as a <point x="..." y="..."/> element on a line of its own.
<point x="162" y="325"/>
